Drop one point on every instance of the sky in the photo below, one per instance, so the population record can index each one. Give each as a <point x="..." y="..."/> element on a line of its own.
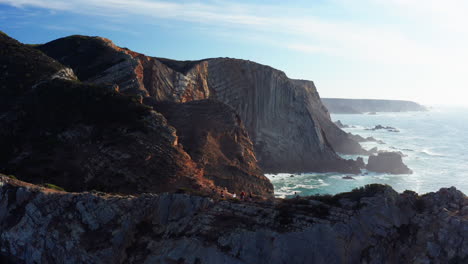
<point x="382" y="49"/>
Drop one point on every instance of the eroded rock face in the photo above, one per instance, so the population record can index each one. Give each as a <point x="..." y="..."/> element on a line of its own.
<point x="98" y="60"/>
<point x="81" y="136"/>
<point x="388" y="162"/>
<point x="290" y="128"/>
<point x="371" y="225"/>
<point x="217" y="141"/>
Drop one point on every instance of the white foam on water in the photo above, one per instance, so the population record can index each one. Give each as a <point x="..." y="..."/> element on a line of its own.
<point x="434" y="144"/>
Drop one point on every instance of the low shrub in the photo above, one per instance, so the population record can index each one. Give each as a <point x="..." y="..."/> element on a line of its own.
<point x="53" y="186"/>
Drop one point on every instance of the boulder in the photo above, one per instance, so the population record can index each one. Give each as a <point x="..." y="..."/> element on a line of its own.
<point x="388" y="162"/>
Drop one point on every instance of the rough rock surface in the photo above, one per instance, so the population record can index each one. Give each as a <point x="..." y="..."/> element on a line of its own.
<point x="358" y="106"/>
<point x="290" y="128"/>
<point x="217" y="141"/>
<point x="371" y="225"/>
<point x="389" y="162"/>
<point x="84" y="136"/>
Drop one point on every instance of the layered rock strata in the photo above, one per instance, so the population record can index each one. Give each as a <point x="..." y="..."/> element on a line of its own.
<point x="213" y="135"/>
<point x="371" y="225"/>
<point x="290" y="128"/>
<point x="83" y="136"/>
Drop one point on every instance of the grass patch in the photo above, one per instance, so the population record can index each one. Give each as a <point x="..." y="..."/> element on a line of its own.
<point x="355" y="195"/>
<point x="53" y="186"/>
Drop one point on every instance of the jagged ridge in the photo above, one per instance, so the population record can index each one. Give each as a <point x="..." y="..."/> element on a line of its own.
<point x="84" y="136"/>
<point x="290" y="128"/>
<point x="370" y="225"/>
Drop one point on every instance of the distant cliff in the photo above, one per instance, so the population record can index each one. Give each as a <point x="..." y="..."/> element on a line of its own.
<point x="358" y="106"/>
<point x="290" y="128"/>
<point x="371" y="225"/>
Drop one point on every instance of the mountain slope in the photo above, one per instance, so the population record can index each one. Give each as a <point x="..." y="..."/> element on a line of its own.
<point x="290" y="128"/>
<point x="84" y="136"/>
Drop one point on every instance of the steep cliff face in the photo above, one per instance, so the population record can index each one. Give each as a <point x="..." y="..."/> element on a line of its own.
<point x="98" y="60"/>
<point x="290" y="128"/>
<point x="82" y="136"/>
<point x="217" y="141"/>
<point x="371" y="225"/>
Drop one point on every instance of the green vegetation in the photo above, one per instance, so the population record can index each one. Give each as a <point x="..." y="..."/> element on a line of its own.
<point x="33" y="45"/>
<point x="53" y="186"/>
<point x="12" y="177"/>
<point x="355" y="195"/>
<point x="301" y="205"/>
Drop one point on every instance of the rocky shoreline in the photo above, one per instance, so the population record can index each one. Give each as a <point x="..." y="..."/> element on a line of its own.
<point x="374" y="224"/>
<point x="148" y="148"/>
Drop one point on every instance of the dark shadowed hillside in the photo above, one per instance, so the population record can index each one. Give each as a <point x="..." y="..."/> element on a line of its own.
<point x="290" y="128"/>
<point x="84" y="136"/>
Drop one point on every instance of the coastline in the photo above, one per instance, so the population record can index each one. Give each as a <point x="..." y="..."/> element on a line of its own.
<point x="432" y="142"/>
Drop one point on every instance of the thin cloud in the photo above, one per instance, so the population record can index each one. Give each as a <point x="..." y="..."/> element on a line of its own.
<point x="426" y="38"/>
<point x="366" y="41"/>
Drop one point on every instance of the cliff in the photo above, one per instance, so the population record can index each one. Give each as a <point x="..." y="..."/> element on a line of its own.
<point x="85" y="136"/>
<point x="290" y="128"/>
<point x="215" y="138"/>
<point x="370" y="225"/>
<point x="358" y="106"/>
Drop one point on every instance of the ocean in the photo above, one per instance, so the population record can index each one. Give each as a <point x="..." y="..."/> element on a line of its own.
<point x="435" y="144"/>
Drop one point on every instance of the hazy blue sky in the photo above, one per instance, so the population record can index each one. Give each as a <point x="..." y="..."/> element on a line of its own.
<point x="390" y="49"/>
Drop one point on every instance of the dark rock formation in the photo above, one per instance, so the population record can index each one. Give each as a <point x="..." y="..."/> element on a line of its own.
<point x="380" y="127"/>
<point x="388" y="162"/>
<point x="369" y="225"/>
<point x="214" y="136"/>
<point x="357" y="106"/>
<point x="86" y="136"/>
<point x="339" y="124"/>
<point x="290" y="128"/>
<point x="22" y="68"/>
<point x="360" y="139"/>
<point x="360" y="162"/>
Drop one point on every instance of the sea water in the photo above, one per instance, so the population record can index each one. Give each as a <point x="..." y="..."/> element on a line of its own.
<point x="435" y="145"/>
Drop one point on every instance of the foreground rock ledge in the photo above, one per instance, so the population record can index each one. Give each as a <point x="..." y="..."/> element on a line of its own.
<point x="371" y="225"/>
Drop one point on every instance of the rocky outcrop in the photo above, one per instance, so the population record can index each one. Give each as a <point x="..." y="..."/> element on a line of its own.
<point x="370" y="225"/>
<point x="290" y="128"/>
<point x="213" y="135"/>
<point x="98" y="60"/>
<point x="339" y="124"/>
<point x="84" y="136"/>
<point x="388" y="162"/>
<point x="380" y="127"/>
<point x="358" y="106"/>
<point x="285" y="118"/>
